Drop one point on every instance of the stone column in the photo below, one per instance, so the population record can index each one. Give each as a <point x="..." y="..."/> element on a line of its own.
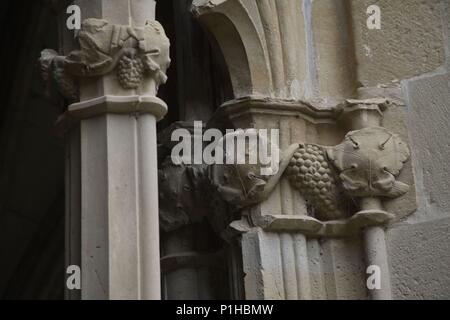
<point x="122" y="58"/>
<point x="275" y="87"/>
<point x="357" y="115"/>
<point x="292" y="69"/>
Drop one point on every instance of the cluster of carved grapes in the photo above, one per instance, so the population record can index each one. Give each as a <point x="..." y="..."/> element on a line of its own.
<point x="310" y="173"/>
<point x="130" y="71"/>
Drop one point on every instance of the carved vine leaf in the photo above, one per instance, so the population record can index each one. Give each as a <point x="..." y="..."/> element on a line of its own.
<point x="365" y="164"/>
<point x="368" y="161"/>
<point x="136" y="53"/>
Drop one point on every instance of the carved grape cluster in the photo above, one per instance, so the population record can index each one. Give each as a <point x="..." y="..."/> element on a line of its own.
<point x="310" y="173"/>
<point x="130" y="72"/>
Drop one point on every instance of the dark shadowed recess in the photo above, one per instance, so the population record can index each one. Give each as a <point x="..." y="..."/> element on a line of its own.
<point x="31" y="159"/>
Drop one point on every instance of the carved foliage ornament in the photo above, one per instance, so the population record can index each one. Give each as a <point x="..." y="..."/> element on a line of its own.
<point x="133" y="52"/>
<point x="368" y="161"/>
<point x="364" y="165"/>
<point x="331" y="179"/>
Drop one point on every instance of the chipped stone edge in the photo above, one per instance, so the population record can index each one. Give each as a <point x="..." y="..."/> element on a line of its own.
<point x="312" y="227"/>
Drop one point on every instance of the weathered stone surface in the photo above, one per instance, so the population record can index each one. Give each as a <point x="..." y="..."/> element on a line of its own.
<point x="135" y="53"/>
<point x="419" y="258"/>
<point x="419" y="252"/>
<point x="343" y="268"/>
<point x="332" y="50"/>
<point x="446" y="19"/>
<point x="260" y="43"/>
<point x="396" y="119"/>
<point x="369" y="160"/>
<point x="303" y="269"/>
<point x="429" y="114"/>
<point x="409" y="43"/>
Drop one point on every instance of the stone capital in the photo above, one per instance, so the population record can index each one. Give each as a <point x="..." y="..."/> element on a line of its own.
<point x="119" y="68"/>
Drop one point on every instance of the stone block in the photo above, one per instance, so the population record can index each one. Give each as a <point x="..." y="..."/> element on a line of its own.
<point x="419" y="257"/>
<point x="409" y="43"/>
<point x="429" y="116"/>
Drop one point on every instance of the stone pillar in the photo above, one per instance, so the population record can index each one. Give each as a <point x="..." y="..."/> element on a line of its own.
<point x="122" y="58"/>
<point x="293" y="69"/>
<point x="357" y="115"/>
<point x="376" y="254"/>
<point x="275" y="88"/>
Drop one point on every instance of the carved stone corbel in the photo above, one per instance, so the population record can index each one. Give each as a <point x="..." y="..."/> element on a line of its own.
<point x="133" y="53"/>
<point x="181" y="188"/>
<point x="57" y="80"/>
<point x="336" y="180"/>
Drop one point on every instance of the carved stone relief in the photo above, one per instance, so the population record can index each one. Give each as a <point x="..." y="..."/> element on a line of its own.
<point x="368" y="160"/>
<point x="134" y="54"/>
<point x="311" y="173"/>
<point x="335" y="180"/>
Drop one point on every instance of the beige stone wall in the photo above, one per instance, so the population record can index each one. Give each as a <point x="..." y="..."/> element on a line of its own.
<point x="410" y="42"/>
<point x="406" y="61"/>
<point x="412" y="50"/>
<point x="409" y="59"/>
<point x="334" y="52"/>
